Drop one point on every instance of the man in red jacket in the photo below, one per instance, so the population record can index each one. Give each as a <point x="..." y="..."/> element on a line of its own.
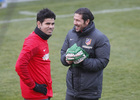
<point x="33" y="64"/>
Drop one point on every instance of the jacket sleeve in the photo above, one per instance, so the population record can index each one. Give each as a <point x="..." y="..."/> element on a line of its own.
<point x="63" y="52"/>
<point x="21" y="68"/>
<point x="102" y="54"/>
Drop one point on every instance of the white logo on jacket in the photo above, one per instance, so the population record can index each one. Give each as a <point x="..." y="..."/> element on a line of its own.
<point x="87" y="47"/>
<point x="46" y="57"/>
<point x="71" y="39"/>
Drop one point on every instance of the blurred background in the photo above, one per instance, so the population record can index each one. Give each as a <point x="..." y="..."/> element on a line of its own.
<point x="119" y="20"/>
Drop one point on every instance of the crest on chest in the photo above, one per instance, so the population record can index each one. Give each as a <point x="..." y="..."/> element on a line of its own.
<point x="88" y="41"/>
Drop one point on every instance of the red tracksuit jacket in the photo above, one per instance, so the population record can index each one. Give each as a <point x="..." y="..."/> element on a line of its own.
<point x="33" y="65"/>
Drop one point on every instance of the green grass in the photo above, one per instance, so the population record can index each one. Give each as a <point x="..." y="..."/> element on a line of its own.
<point x="121" y="77"/>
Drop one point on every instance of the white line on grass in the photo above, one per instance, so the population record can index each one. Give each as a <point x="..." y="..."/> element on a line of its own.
<point x="68" y="15"/>
<point x="16" y="20"/>
<point x="27" y="13"/>
<point x="116" y="10"/>
<point x="16" y="1"/>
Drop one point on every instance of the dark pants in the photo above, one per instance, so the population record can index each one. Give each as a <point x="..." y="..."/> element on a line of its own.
<point x="40" y="99"/>
<point x="68" y="97"/>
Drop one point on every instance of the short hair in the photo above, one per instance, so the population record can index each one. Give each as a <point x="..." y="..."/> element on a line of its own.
<point x="45" y="13"/>
<point x="86" y="14"/>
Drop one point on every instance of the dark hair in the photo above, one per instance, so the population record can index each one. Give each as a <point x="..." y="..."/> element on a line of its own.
<point x="45" y="13"/>
<point x="86" y="14"/>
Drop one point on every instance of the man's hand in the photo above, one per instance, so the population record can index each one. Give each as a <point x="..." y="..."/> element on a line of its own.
<point x="69" y="62"/>
<point x="70" y="57"/>
<point x="80" y="59"/>
<point x="40" y="88"/>
<point x="72" y="53"/>
<point x="75" y="54"/>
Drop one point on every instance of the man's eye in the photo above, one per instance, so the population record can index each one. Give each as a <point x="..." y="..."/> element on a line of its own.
<point x="48" y="23"/>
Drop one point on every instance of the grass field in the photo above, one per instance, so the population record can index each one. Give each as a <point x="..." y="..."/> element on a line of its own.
<point x="121" y="76"/>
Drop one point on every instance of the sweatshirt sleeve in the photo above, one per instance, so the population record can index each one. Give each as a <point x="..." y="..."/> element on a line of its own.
<point x="102" y="54"/>
<point x="63" y="52"/>
<point x="21" y="67"/>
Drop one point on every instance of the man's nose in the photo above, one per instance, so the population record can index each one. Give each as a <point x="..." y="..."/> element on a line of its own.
<point x="74" y="22"/>
<point x="51" y="25"/>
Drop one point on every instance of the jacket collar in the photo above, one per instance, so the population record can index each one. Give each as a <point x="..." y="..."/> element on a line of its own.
<point x="86" y="30"/>
<point x="41" y="34"/>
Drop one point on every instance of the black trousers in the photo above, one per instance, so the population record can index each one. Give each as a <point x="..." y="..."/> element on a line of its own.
<point x="68" y="97"/>
<point x="40" y="99"/>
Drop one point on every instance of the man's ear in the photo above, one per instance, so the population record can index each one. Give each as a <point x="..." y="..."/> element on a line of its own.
<point x="87" y="21"/>
<point x="39" y="24"/>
